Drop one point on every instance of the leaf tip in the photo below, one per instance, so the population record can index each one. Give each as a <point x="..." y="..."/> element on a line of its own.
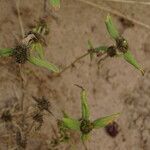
<point x="142" y="71"/>
<point x="108" y="17"/>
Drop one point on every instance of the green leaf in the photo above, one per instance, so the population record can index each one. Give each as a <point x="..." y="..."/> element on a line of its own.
<point x="101" y="49"/>
<point x="39" y="29"/>
<point x="39" y="49"/>
<point x="91" y="47"/>
<point x="42" y="63"/>
<point x="102" y="122"/>
<point x="111" y="28"/>
<point x="90" y="44"/>
<point x="71" y="124"/>
<point x="84" y="105"/>
<point x="130" y="59"/>
<point x="55" y="3"/>
<point x="97" y="49"/>
<point x="5" y="52"/>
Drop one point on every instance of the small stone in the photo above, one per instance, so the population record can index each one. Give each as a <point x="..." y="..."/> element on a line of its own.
<point x="112" y="129"/>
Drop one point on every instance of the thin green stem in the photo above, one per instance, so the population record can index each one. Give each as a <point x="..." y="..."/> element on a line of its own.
<point x="75" y="61"/>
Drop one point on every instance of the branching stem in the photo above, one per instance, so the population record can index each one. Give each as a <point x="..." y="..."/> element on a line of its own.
<point x="73" y="63"/>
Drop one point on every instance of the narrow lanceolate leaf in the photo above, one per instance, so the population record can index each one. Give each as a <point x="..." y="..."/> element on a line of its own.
<point x="90" y="44"/>
<point x="91" y="48"/>
<point x="111" y="28"/>
<point x="71" y="124"/>
<point x="55" y="3"/>
<point x="130" y="59"/>
<point x="39" y="49"/>
<point x="5" y="52"/>
<point x="102" y="122"/>
<point x="84" y="105"/>
<point x="42" y="63"/>
<point x="101" y="49"/>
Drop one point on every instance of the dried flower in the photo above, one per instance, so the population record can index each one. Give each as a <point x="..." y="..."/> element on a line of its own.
<point x="21" y="53"/>
<point x="111" y="51"/>
<point x="6" y="116"/>
<point x="42" y="103"/>
<point x="38" y="117"/>
<point x="122" y="44"/>
<point x="21" y="139"/>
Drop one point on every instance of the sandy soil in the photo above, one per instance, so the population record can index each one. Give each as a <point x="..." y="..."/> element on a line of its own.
<point x="114" y="87"/>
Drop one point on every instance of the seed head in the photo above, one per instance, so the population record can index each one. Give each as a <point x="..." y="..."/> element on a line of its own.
<point x="6" y="116"/>
<point x="42" y="103"/>
<point x="111" y="51"/>
<point x="21" y="53"/>
<point x="86" y="126"/>
<point x="38" y="117"/>
<point x="122" y="44"/>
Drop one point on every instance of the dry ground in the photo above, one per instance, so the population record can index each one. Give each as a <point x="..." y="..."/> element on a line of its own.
<point x="114" y="87"/>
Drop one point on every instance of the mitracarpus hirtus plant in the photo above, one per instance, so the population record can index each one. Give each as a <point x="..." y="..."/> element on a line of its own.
<point x="30" y="49"/>
<point x="85" y="125"/>
<point x="119" y="49"/>
<point x="6" y="116"/>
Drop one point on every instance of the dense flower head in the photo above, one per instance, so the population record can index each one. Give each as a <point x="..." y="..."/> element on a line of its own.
<point x="21" y="53"/>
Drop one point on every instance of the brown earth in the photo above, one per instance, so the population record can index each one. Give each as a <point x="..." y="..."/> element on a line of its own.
<point x="114" y="87"/>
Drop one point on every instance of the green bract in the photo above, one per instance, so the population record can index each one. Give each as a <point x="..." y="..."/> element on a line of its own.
<point x="71" y="124"/>
<point x="42" y="63"/>
<point x="101" y="49"/>
<point x="111" y="28"/>
<point x="85" y="107"/>
<point x="55" y="3"/>
<point x="102" y="122"/>
<point x="130" y="59"/>
<point x="39" y="49"/>
<point x="5" y="52"/>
